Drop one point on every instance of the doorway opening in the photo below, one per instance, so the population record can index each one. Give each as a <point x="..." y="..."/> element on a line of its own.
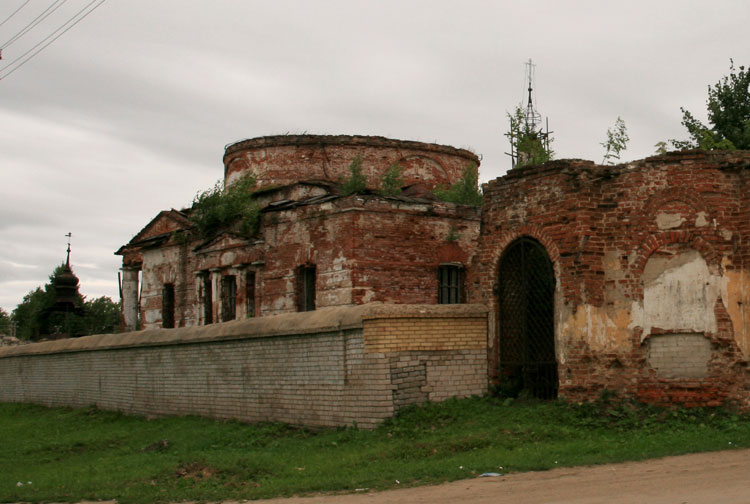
<point x="526" y="331"/>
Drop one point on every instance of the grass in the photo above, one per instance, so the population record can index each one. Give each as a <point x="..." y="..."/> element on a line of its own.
<point x="70" y="455"/>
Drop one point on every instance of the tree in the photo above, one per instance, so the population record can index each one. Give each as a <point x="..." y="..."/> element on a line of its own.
<point x="101" y="316"/>
<point x="4" y="322"/>
<point x="728" y="114"/>
<point x="617" y="141"/>
<point x="36" y="317"/>
<point x="529" y="146"/>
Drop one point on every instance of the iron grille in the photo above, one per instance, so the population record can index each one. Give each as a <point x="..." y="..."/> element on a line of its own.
<point x="526" y="321"/>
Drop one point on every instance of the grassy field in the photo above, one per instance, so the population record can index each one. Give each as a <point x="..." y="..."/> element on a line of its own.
<point x="69" y="455"/>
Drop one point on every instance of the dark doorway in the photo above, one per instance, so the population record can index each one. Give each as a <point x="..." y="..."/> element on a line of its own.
<point x="526" y="290"/>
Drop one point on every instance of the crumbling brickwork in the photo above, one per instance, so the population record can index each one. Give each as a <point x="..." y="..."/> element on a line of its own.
<point x="354" y="249"/>
<point x="286" y="159"/>
<point x="643" y="253"/>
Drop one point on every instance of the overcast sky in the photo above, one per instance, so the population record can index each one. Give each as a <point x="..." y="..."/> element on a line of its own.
<point x="128" y="112"/>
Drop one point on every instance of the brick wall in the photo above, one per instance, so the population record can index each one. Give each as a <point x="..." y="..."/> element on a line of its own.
<point x="679" y="355"/>
<point x="642" y="250"/>
<point x="316" y="368"/>
<point x="284" y="159"/>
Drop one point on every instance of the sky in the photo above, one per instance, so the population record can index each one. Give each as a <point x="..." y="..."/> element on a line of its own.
<point x="128" y="112"/>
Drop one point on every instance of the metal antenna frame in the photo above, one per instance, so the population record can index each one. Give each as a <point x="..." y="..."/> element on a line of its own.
<point x="532" y="118"/>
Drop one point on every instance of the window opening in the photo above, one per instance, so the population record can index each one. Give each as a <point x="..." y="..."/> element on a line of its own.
<point x="306" y="287"/>
<point x="450" y="284"/>
<point x="228" y="298"/>
<point x="207" y="298"/>
<point x="250" y="294"/>
<point x="167" y="306"/>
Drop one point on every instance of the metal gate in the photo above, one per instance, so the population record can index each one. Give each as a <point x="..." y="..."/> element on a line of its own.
<point x="526" y="321"/>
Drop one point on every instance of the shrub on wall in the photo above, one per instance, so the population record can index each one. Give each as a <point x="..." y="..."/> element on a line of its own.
<point x="356" y="182"/>
<point x="392" y="181"/>
<point x="465" y="191"/>
<point x="223" y="207"/>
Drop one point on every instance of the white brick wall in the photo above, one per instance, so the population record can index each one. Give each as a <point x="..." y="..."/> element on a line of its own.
<point x="306" y="368"/>
<point x="679" y="355"/>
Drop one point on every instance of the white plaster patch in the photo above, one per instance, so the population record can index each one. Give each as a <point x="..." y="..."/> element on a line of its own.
<point x="679" y="294"/>
<point x="339" y="262"/>
<point x="368" y="297"/>
<point x="666" y="220"/>
<point x="700" y="219"/>
<point x="152" y="316"/>
<point x="228" y="258"/>
<point x="726" y="234"/>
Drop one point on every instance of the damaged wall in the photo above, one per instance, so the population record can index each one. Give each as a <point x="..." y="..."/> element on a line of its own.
<point x="361" y="248"/>
<point x="651" y="262"/>
<point x="285" y="159"/>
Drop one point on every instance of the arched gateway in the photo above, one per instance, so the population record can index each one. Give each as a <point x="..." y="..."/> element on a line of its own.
<point x="526" y="331"/>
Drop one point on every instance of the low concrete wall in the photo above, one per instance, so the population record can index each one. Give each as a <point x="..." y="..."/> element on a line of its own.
<point x="330" y="367"/>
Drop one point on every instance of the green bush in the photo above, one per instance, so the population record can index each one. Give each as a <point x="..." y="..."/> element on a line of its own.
<point x="356" y="183"/>
<point x="221" y="207"/>
<point x="392" y="181"/>
<point x="465" y="191"/>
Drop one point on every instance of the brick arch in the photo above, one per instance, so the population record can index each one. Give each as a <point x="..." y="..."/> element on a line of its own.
<point x="418" y="168"/>
<point x="532" y="231"/>
<point x="682" y="194"/>
<point x="656" y="241"/>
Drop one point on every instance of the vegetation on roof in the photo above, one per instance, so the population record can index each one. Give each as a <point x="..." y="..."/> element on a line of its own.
<point x="356" y="182"/>
<point x="465" y="191"/>
<point x="226" y="207"/>
<point x="392" y="181"/>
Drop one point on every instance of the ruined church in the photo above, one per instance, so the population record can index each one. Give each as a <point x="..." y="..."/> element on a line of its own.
<point x="628" y="277"/>
<point x="570" y="279"/>
<point x="314" y="247"/>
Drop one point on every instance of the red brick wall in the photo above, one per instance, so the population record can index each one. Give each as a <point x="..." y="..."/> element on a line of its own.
<point x="601" y="226"/>
<point x="365" y="249"/>
<point x="280" y="160"/>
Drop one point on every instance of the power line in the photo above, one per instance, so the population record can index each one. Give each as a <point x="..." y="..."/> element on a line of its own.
<point x="15" y="12"/>
<point x="41" y="17"/>
<point x="51" y="37"/>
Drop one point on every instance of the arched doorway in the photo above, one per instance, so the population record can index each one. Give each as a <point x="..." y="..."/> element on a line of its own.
<point x="526" y="331"/>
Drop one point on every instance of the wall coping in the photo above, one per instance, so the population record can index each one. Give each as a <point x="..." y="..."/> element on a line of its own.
<point x="324" y="320"/>
<point x="343" y="140"/>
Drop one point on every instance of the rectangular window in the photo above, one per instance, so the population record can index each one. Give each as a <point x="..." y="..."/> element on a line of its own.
<point x="450" y="284"/>
<point x="306" y="287"/>
<point x="250" y="294"/>
<point x="228" y="298"/>
<point x="167" y="306"/>
<point x="207" y="299"/>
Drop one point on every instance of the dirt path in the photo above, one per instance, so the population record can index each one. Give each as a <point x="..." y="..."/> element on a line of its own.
<point x="713" y="478"/>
